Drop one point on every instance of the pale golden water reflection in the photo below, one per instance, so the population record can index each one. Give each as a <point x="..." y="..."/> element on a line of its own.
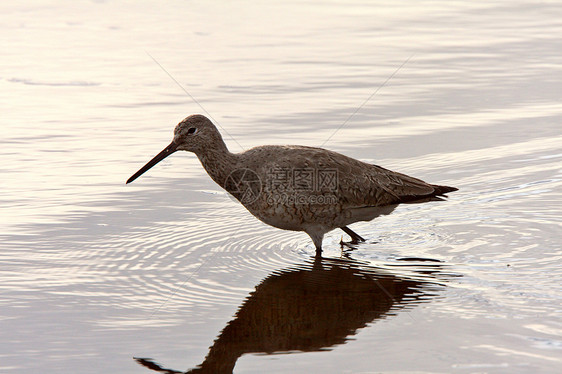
<point x="315" y="306"/>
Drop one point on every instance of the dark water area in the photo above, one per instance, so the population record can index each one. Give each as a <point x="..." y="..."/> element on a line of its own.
<point x="315" y="306"/>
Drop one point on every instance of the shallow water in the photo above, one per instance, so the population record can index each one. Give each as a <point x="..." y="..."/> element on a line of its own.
<point x="94" y="273"/>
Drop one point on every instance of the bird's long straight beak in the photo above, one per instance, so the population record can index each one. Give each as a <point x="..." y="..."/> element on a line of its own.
<point x="159" y="157"/>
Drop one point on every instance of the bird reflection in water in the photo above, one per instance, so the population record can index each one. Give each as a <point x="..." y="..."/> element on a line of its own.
<point x="314" y="306"/>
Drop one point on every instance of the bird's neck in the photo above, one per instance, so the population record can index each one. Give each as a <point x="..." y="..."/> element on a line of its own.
<point x="219" y="162"/>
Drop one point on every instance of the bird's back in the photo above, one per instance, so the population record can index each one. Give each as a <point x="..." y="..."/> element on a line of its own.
<point x="354" y="183"/>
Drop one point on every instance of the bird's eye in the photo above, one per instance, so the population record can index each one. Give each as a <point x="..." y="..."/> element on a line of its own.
<point x="191" y="130"/>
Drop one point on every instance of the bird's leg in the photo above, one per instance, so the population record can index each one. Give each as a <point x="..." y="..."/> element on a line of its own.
<point x="316" y="236"/>
<point x="318" y="251"/>
<point x="355" y="238"/>
<point x="342" y="243"/>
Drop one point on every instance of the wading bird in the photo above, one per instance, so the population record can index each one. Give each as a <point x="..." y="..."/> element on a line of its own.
<point x="295" y="187"/>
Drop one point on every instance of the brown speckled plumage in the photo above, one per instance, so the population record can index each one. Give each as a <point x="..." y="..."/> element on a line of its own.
<point x="296" y="187"/>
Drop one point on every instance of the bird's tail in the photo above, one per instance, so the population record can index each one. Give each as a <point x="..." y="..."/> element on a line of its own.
<point x="442" y="190"/>
<point x="437" y="195"/>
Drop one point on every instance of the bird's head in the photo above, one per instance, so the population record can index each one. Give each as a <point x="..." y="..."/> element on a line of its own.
<point x="195" y="133"/>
